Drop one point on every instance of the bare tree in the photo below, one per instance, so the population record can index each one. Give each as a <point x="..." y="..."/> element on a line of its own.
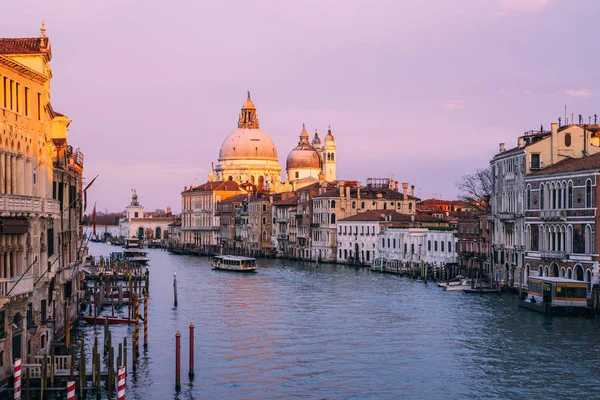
<point x="476" y="188"/>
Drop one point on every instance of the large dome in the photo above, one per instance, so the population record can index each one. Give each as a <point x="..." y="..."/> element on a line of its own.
<point x="245" y="143"/>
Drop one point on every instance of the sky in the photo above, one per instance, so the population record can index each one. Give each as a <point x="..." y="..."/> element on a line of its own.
<point x="419" y="90"/>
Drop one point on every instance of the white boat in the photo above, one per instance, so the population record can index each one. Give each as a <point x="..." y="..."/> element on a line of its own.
<point x="463" y="284"/>
<point x="234" y="263"/>
<point x="451" y="282"/>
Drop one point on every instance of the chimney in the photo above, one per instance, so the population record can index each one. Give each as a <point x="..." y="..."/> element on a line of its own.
<point x="396" y="185"/>
<point x="502" y="149"/>
<point x="341" y="191"/>
<point x="185" y="188"/>
<point x="412" y="190"/>
<point x="348" y="191"/>
<point x="405" y="190"/>
<point x="358" y="192"/>
<point x="521" y="142"/>
<point x="554" y="143"/>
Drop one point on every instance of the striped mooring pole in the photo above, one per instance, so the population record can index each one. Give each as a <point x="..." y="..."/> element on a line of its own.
<point x="17" y="375"/>
<point x="145" y="318"/>
<point x="121" y="384"/>
<point x="70" y="390"/>
<point x="137" y="327"/>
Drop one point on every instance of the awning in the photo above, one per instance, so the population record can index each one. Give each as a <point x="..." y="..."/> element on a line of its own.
<point x="15" y="226"/>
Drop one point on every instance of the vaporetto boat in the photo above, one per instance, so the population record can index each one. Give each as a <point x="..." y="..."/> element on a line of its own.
<point x="234" y="263"/>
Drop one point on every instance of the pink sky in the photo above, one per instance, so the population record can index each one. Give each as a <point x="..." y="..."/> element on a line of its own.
<point x="421" y="93"/>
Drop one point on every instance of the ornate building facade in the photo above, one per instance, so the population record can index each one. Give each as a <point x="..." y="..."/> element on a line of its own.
<point x="40" y="206"/>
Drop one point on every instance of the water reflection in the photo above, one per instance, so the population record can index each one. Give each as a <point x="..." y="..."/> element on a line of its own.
<point x="296" y="331"/>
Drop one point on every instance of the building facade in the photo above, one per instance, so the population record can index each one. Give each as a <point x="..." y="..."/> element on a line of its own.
<point x="40" y="206"/>
<point x="560" y="221"/>
<point x="138" y="225"/>
<point x="473" y="245"/>
<point x="535" y="151"/>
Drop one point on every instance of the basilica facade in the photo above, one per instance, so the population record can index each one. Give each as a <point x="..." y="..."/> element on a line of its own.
<point x="249" y="156"/>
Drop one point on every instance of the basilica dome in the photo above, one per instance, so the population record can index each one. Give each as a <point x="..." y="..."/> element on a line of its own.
<point x="303" y="156"/>
<point x="246" y="143"/>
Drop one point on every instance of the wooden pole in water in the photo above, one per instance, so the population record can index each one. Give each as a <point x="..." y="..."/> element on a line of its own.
<point x="175" y="287"/>
<point x="125" y="354"/>
<point x="177" y="360"/>
<point x="109" y="378"/>
<point x="145" y="319"/>
<point x="137" y="327"/>
<point x="82" y="383"/>
<point x="191" y="373"/>
<point x="52" y="368"/>
<point x="43" y="380"/>
<point x="129" y="301"/>
<point x="27" y="378"/>
<point x="98" y="375"/>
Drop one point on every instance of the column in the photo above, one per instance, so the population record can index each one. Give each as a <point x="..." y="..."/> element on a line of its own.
<point x="2" y="172"/>
<point x="14" y="178"/>
<point x="28" y="177"/>
<point x="21" y="174"/>
<point x="9" y="173"/>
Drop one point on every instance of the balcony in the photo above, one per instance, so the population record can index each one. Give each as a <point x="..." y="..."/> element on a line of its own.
<point x="553" y="255"/>
<point x="51" y="206"/>
<point x="313" y="225"/>
<point x="25" y="286"/>
<point x="506" y="216"/>
<point x="16" y="204"/>
<point x="282" y="237"/>
<point x="553" y="215"/>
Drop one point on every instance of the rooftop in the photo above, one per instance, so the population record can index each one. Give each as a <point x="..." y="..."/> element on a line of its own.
<point x="571" y="165"/>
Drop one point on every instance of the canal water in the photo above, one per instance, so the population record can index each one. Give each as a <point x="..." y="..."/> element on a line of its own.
<point x="295" y="330"/>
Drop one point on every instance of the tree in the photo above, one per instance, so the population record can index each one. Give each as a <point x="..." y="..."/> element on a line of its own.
<point x="476" y="188"/>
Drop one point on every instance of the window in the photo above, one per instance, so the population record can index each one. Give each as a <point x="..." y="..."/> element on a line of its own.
<point x="39" y="106"/>
<point x="429" y="245"/>
<point x="344" y="229"/>
<point x="405" y="248"/>
<point x="332" y="203"/>
<point x="353" y="204"/>
<point x="362" y="205"/>
<point x="382" y="242"/>
<point x="135" y="215"/>
<point x="588" y="193"/>
<point x="297" y="175"/>
<point x="435" y="246"/>
<point x="264" y="220"/>
<point x="5" y="91"/>
<point x="333" y="218"/>
<point x="2" y="324"/>
<point x="410" y="206"/>
<point x="528" y="197"/>
<point x="535" y="161"/>
<point x="442" y="245"/>
<point x="17" y="102"/>
<point x="570" y="195"/>
<point x="264" y="208"/>
<point x="449" y="247"/>
<point x="43" y="310"/>
<point x="394" y="242"/>
<point x="388" y="242"/>
<point x="567" y="140"/>
<point x="50" y="239"/>
<point x="385" y="206"/>
<point x="29" y="314"/>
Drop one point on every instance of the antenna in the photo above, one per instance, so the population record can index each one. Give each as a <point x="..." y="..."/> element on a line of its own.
<point x="566" y="120"/>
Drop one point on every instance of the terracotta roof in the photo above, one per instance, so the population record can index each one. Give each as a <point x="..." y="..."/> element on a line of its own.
<point x="22" y="45"/>
<point x="287" y="202"/>
<point x="382" y="216"/>
<point x="368" y="193"/>
<point x="153" y="219"/>
<point x="213" y="186"/>
<point x="571" y="165"/>
<point x="238" y="198"/>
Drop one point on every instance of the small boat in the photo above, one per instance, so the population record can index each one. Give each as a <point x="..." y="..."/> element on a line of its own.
<point x="234" y="263"/>
<point x="99" y="320"/>
<point x="450" y="282"/>
<point x="464" y="284"/>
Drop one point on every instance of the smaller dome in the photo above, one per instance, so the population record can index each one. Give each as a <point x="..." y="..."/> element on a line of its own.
<point x="303" y="157"/>
<point x="329" y="139"/>
<point x="316" y="140"/>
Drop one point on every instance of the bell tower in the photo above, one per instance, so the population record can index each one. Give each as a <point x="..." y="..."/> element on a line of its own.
<point x="329" y="155"/>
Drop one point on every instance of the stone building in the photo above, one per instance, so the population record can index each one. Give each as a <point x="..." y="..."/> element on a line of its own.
<point x="40" y="206"/>
<point x="200" y="225"/>
<point x="226" y="213"/>
<point x="137" y="224"/>
<point x="285" y="224"/>
<point x="349" y="199"/>
<point x="560" y="220"/>
<point x="473" y="246"/>
<point x="535" y="151"/>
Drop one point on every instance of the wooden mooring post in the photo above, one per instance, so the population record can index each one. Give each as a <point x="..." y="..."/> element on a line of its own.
<point x="177" y="360"/>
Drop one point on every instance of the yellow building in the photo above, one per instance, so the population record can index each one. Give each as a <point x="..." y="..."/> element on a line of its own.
<point x="40" y="192"/>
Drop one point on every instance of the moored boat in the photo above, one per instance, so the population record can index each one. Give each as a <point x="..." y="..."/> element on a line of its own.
<point x="234" y="263"/>
<point x="464" y="284"/>
<point x="99" y="320"/>
<point x="451" y="282"/>
<point x="556" y="296"/>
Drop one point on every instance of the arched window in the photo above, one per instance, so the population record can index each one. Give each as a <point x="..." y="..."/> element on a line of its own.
<point x="297" y="174"/>
<point x="333" y="218"/>
<point x="158" y="233"/>
<point x="332" y="203"/>
<point x="385" y="206"/>
<point x="328" y="157"/>
<point x="353" y="204"/>
<point x="332" y="157"/>
<point x="542" y="196"/>
<point x="567" y="140"/>
<point x="588" y="193"/>
<point x="264" y="220"/>
<point x="140" y="233"/>
<point x="528" y="197"/>
<point x="569" y="273"/>
<point x="435" y="245"/>
<point x="570" y="195"/>
<point x="579" y="273"/>
<point x="264" y="236"/>
<point x="382" y="242"/>
<point x="449" y="247"/>
<point x="230" y="178"/>
<point x="540" y="269"/>
<point x="410" y="206"/>
<point x="429" y="245"/>
<point x="362" y="204"/>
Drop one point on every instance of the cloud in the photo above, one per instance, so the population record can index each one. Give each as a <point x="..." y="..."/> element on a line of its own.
<point x="521" y="6"/>
<point x="580" y="93"/>
<point x="527" y="91"/>
<point x="452" y="105"/>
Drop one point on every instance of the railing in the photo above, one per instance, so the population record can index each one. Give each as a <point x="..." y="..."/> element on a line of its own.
<point x="282" y="237"/>
<point x="506" y="215"/>
<point x="23" y="286"/>
<point x="51" y="206"/>
<point x="553" y="214"/>
<point x="553" y="255"/>
<point x="20" y="204"/>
